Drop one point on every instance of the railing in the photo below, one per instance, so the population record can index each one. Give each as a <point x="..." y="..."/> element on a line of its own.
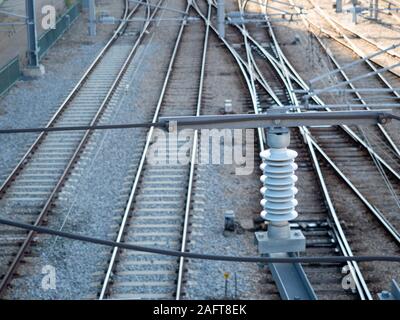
<point x="9" y="74"/>
<point x="47" y="40"/>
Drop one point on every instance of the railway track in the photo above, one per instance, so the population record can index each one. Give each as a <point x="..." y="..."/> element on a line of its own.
<point x="158" y="202"/>
<point x="363" y="41"/>
<point x="343" y="46"/>
<point x="332" y="233"/>
<point x="29" y="192"/>
<point x="348" y="160"/>
<point x="157" y="210"/>
<point x="377" y="138"/>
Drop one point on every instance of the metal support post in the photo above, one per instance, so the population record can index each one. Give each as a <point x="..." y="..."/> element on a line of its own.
<point x="85" y="4"/>
<point x="92" y="18"/>
<point x="221" y="18"/>
<point x="339" y="6"/>
<point x="33" y="50"/>
<point x="375" y="9"/>
<point x="354" y="14"/>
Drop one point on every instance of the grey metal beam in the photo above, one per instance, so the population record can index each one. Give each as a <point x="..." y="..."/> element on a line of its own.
<point x="270" y="7"/>
<point x="13" y="14"/>
<point x="366" y="75"/>
<point x="158" y="7"/>
<point x="92" y="18"/>
<point x="221" y="18"/>
<point x="291" y="279"/>
<point x="368" y="90"/>
<point x="243" y="121"/>
<point x="33" y="50"/>
<point x="352" y="64"/>
<point x="6" y="24"/>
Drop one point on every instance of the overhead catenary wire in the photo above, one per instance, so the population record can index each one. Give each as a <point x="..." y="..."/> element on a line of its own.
<point x="219" y="120"/>
<point x="192" y="255"/>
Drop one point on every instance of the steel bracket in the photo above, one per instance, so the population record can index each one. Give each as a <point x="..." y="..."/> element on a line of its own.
<point x="266" y="245"/>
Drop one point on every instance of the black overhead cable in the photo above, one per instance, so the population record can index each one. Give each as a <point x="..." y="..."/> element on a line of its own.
<point x="198" y="121"/>
<point x="192" y="255"/>
<point x="82" y="128"/>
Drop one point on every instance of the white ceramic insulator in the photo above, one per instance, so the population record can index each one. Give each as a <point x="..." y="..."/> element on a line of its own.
<point x="279" y="185"/>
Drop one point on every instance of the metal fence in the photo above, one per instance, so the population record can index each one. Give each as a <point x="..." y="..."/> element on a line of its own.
<point x="63" y="23"/>
<point x="9" y="74"/>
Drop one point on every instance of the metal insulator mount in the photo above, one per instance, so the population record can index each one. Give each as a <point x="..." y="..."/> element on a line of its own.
<point x="279" y="184"/>
<point x="279" y="193"/>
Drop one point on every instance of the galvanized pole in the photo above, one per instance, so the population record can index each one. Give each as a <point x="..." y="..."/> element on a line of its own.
<point x="339" y="7"/>
<point x="33" y="58"/>
<point x="85" y="4"/>
<point x="221" y="18"/>
<point x="354" y="13"/>
<point x="375" y="9"/>
<point x="92" y="18"/>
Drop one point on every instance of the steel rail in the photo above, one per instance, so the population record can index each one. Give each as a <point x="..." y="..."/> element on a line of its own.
<point x="358" y="277"/>
<point x="372" y="208"/>
<point x="350" y="44"/>
<point x="350" y="132"/>
<point x="363" y="102"/>
<point x="352" y="64"/>
<point x="301" y="282"/>
<point x="274" y="63"/>
<point x="394" y="16"/>
<point x="355" y="49"/>
<point x="17" y="259"/>
<point x="242" y="65"/>
<point x="395" y="234"/>
<point x="370" y="42"/>
<point x="66" y="102"/>
<point x="193" y="160"/>
<point x="355" y="271"/>
<point x="299" y="81"/>
<point x="318" y="100"/>
<point x="297" y="78"/>
<point x="135" y="185"/>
